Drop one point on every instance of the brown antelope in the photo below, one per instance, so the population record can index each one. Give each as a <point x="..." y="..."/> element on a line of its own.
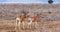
<point x="20" y="19"/>
<point x="33" y="20"/>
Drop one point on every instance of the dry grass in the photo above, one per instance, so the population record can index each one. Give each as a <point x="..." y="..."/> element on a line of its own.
<point x="42" y="26"/>
<point x="8" y="13"/>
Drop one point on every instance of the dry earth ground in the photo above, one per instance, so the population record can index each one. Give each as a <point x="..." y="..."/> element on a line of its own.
<point x="42" y="26"/>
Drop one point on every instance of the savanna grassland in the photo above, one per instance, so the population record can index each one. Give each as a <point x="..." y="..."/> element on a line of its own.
<point x="49" y="18"/>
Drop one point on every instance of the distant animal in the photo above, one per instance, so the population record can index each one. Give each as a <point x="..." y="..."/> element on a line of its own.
<point x="34" y="18"/>
<point x="30" y="19"/>
<point x="20" y="19"/>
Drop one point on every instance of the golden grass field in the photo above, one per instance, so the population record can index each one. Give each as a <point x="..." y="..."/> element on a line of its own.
<point x="49" y="20"/>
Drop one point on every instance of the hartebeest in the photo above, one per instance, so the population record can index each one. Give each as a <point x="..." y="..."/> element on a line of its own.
<point x="26" y="16"/>
<point x="20" y="19"/>
<point x="33" y="19"/>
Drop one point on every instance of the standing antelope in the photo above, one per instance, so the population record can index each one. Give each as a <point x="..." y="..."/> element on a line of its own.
<point x="20" y="19"/>
<point x="33" y="19"/>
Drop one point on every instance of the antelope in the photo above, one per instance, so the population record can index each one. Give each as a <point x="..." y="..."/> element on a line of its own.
<point x="33" y="19"/>
<point x="20" y="19"/>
